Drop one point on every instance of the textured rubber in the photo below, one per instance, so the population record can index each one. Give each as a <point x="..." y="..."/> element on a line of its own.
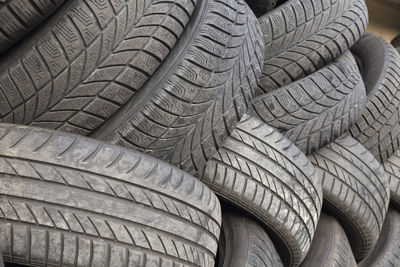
<point x="392" y="166"/>
<point x="330" y="246"/>
<point x="396" y="41"/>
<point x="261" y="171"/>
<point x="302" y="36"/>
<point x="260" y="7"/>
<point x="378" y="129"/>
<point x="68" y="200"/>
<point x="189" y="108"/>
<point x="17" y="18"/>
<point x="88" y="61"/>
<point x="356" y="190"/>
<point x="317" y="109"/>
<point x="245" y="243"/>
<point x="387" y="251"/>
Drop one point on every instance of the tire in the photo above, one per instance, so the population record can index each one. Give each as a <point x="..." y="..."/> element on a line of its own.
<point x="387" y="251"/>
<point x="260" y="7"/>
<point x="73" y="201"/>
<point x="317" y="109"/>
<point x="396" y="41"/>
<point x="200" y="93"/>
<point x="262" y="172"/>
<point x="330" y="247"/>
<point x="378" y="129"/>
<point x="302" y="36"/>
<point x="356" y="191"/>
<point x="244" y="243"/>
<point x="90" y="59"/>
<point x="392" y="166"/>
<point x="17" y="18"/>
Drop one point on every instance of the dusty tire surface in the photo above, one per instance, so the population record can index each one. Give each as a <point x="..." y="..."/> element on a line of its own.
<point x="330" y="246"/>
<point x="387" y="251"/>
<point x="302" y="36"/>
<point x="17" y="18"/>
<point x="88" y="60"/>
<point x="199" y="94"/>
<point x="260" y="7"/>
<point x="245" y="243"/>
<point x="72" y="201"/>
<point x="392" y="166"/>
<point x="317" y="109"/>
<point x="356" y="190"/>
<point x="262" y="172"/>
<point x="378" y="129"/>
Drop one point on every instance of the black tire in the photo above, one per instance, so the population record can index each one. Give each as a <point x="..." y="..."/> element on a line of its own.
<point x="73" y="201"/>
<point x="260" y="7"/>
<point x="396" y="41"/>
<point x="17" y="18"/>
<point x="392" y="166"/>
<point x="244" y="243"/>
<point x="317" y="109"/>
<point x="378" y="129"/>
<point x="191" y="105"/>
<point x="330" y="246"/>
<point x="356" y="190"/>
<point x="387" y="251"/>
<point x="88" y="61"/>
<point x="265" y="174"/>
<point x="302" y="36"/>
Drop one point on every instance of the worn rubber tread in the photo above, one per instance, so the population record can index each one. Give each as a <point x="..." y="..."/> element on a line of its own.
<point x="317" y="109"/>
<point x="245" y="243"/>
<point x="74" y="201"/>
<point x="18" y="18"/>
<point x="88" y="61"/>
<point x="330" y="246"/>
<point x="260" y="7"/>
<point x="392" y="166"/>
<point x="194" y="102"/>
<point x="356" y="190"/>
<point x="302" y="36"/>
<point x="264" y="173"/>
<point x="378" y="129"/>
<point x="387" y="251"/>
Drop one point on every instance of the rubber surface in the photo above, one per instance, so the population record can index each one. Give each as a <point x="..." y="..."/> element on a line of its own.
<point x="72" y="201"/>
<point x="392" y="166"/>
<point x="356" y="190"/>
<point x="265" y="174"/>
<point x="378" y="129"/>
<point x="17" y="18"/>
<point x="317" y="109"/>
<point x="302" y="36"/>
<point x="260" y="7"/>
<point x="330" y="246"/>
<point x="88" y="61"/>
<point x="246" y="243"/>
<point x="199" y="95"/>
<point x="396" y="41"/>
<point x="387" y="251"/>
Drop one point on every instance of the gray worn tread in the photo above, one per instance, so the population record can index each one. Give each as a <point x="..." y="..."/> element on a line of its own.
<point x="264" y="173"/>
<point x="356" y="190"/>
<point x="73" y="201"/>
<point x="392" y="166"/>
<point x="317" y="109"/>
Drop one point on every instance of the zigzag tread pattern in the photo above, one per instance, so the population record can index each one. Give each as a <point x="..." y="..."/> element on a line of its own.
<point x="282" y="191"/>
<point x="17" y="18"/>
<point x="123" y="196"/>
<point x="89" y="63"/>
<point x="356" y="186"/>
<point x="392" y="166"/>
<point x="302" y="36"/>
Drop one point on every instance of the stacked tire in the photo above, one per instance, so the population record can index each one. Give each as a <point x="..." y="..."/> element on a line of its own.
<point x="127" y="124"/>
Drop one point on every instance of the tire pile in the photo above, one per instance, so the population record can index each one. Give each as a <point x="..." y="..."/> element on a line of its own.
<point x="197" y="133"/>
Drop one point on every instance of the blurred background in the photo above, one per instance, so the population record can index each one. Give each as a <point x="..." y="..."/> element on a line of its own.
<point x="384" y="18"/>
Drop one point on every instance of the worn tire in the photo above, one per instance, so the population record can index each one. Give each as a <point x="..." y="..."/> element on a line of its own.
<point x="302" y="36"/>
<point x="396" y="41"/>
<point x="317" y="109"/>
<point x="378" y="129"/>
<point x="330" y="246"/>
<point x="392" y="166"/>
<point x="73" y="201"/>
<point x="17" y="18"/>
<point x="356" y="190"/>
<point x="387" y="251"/>
<point x="260" y="7"/>
<point x="191" y="105"/>
<point x="89" y="60"/>
<point x="261" y="171"/>
<point x="244" y="243"/>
